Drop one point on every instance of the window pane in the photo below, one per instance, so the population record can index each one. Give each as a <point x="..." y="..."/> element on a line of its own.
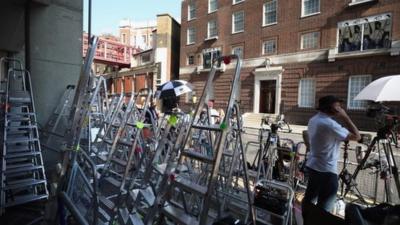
<point x="269" y="47"/>
<point x="310" y="7"/>
<point x="356" y="84"/>
<point x="238" y="51"/>
<point x="191" y="60"/>
<point x="209" y="55"/>
<point x="212" y="29"/>
<point x="192" y="11"/>
<point x="213" y="5"/>
<point x="307" y="93"/>
<point x="361" y="34"/>
<point x="270" y="12"/>
<point x="238" y="21"/>
<point x="191" y="35"/>
<point x="310" y="40"/>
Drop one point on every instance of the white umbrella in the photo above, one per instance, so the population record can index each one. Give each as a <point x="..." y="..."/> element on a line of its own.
<point x="383" y="89"/>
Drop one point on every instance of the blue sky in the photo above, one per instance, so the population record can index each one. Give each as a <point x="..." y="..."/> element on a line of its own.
<point x="107" y="14"/>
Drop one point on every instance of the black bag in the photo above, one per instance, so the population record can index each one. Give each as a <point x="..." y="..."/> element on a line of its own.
<point x="270" y="200"/>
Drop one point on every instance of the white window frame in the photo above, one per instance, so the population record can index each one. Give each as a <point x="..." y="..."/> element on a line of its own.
<point x="236" y="47"/>
<point x="209" y="6"/>
<point x="233" y="22"/>
<point x="210" y="50"/>
<point x="208" y="29"/>
<point x="362" y="21"/>
<point x="361" y="103"/>
<point x="311" y="14"/>
<point x="299" y="100"/>
<point x="302" y="36"/>
<point x="263" y="47"/>
<point x="188" y="35"/>
<point x="234" y="2"/>
<point x="191" y="4"/>
<point x="264" y="12"/>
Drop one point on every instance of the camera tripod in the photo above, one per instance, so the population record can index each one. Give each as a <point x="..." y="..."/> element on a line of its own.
<point x="385" y="173"/>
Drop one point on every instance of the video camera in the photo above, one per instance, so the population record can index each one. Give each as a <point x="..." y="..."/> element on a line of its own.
<point x="384" y="118"/>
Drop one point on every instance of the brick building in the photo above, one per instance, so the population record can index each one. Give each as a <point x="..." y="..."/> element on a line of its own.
<point x="153" y="66"/>
<point x="293" y="51"/>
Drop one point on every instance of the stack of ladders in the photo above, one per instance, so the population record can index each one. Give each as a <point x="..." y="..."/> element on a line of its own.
<point x="23" y="178"/>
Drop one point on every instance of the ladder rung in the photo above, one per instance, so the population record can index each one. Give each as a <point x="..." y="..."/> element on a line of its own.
<point x="207" y="127"/>
<point x="160" y="168"/>
<point x="21" y="140"/>
<point x="108" y="141"/>
<point x="15" y="132"/>
<point x="20" y="114"/>
<point x="228" y="153"/>
<point x="179" y="216"/>
<point x="108" y="204"/>
<point x="119" y="161"/>
<point x="148" y="195"/>
<point x="22" y="127"/>
<point x="22" y="169"/>
<point x="14" y="119"/>
<point x="103" y="215"/>
<point x="113" y="181"/>
<point x="18" y="200"/>
<point x="198" y="156"/>
<point x="124" y="142"/>
<point x="18" y="148"/>
<point x="19" y="97"/>
<point x="23" y="183"/>
<point x="20" y="155"/>
<point x="190" y="186"/>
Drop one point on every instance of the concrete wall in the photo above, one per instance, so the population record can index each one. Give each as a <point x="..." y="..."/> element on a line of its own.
<point x="56" y="51"/>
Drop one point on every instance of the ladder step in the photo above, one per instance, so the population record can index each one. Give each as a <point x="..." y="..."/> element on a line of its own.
<point x="196" y="155"/>
<point x="228" y="153"/>
<point x="18" y="200"/>
<point x="23" y="183"/>
<point x="18" y="148"/>
<point x="108" y="141"/>
<point x="126" y="218"/>
<point x="13" y="119"/>
<point x="207" y="127"/>
<point x="19" y="97"/>
<point x="103" y="215"/>
<point x="106" y="204"/>
<point x="119" y="161"/>
<point x="20" y="140"/>
<point x="179" y="216"/>
<point x="113" y="181"/>
<point x="17" y="132"/>
<point x="190" y="186"/>
<point x="22" y="127"/>
<point x="21" y="155"/>
<point x="148" y="195"/>
<point x="125" y="142"/>
<point x="21" y="169"/>
<point x="160" y="168"/>
<point x="20" y="114"/>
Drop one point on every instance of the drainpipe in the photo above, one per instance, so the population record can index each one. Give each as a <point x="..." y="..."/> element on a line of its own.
<point x="27" y="35"/>
<point x="89" y="21"/>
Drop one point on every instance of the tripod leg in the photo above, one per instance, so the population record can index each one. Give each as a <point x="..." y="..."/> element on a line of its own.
<point x="394" y="169"/>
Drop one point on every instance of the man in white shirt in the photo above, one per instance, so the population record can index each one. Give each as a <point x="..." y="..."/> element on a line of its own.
<point x="325" y="136"/>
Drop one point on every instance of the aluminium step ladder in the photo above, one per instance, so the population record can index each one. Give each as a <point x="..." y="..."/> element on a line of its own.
<point x="54" y="131"/>
<point x="187" y="199"/>
<point x="23" y="178"/>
